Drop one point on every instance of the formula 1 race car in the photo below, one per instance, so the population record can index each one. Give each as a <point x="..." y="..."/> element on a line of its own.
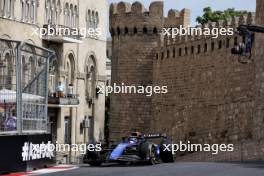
<point x="136" y="148"/>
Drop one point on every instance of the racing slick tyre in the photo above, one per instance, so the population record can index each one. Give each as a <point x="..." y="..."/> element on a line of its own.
<point x="93" y="158"/>
<point x="147" y="152"/>
<point x="166" y="156"/>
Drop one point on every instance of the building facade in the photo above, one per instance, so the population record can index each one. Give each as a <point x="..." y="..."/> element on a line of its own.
<point x="213" y="96"/>
<point x="76" y="111"/>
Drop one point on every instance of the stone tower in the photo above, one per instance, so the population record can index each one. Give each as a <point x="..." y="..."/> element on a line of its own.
<point x="135" y="33"/>
<point x="259" y="73"/>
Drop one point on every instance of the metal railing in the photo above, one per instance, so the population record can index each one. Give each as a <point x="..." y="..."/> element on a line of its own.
<point x="23" y="87"/>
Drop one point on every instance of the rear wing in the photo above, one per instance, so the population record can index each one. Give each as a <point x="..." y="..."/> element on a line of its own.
<point x="155" y="136"/>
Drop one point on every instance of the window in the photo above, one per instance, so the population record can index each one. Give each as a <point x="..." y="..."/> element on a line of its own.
<point x="52" y="75"/>
<point x="7" y="8"/>
<point x="192" y="49"/>
<point x="53" y="11"/>
<point x="71" y="15"/>
<point x="90" y="69"/>
<point x="67" y="130"/>
<point x="6" y="71"/>
<point x="92" y="19"/>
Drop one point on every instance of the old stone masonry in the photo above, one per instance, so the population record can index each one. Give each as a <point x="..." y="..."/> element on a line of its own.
<point x="213" y="97"/>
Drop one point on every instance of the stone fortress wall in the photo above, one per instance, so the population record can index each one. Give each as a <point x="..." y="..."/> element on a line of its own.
<point x="212" y="95"/>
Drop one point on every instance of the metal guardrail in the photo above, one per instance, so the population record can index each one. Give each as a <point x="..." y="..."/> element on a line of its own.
<point x="23" y="87"/>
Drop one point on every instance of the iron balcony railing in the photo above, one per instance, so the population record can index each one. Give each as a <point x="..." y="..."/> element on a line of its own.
<point x="68" y="99"/>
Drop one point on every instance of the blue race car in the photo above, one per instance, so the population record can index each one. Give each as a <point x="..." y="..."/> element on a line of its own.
<point x="133" y="149"/>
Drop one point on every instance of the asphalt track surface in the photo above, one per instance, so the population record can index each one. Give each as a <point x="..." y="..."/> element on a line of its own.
<point x="173" y="169"/>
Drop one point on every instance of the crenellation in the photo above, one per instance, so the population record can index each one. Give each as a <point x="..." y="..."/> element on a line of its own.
<point x="156" y="9"/>
<point x="137" y="8"/>
<point x="173" y="14"/>
<point x="123" y="7"/>
<point x="242" y="20"/>
<point x="235" y="22"/>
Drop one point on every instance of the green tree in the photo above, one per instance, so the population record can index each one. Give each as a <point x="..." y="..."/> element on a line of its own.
<point x="214" y="16"/>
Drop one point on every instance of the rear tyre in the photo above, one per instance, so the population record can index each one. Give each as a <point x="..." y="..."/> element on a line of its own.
<point x="93" y="158"/>
<point x="147" y="152"/>
<point x="165" y="155"/>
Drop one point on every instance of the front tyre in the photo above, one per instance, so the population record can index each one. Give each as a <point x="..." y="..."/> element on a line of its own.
<point x="166" y="156"/>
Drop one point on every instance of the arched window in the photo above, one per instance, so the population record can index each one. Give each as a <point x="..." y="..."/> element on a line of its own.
<point x="89" y="19"/>
<point x="76" y="17"/>
<point x="90" y="78"/>
<point x="66" y="14"/>
<point x="97" y="19"/>
<point x="7" y="8"/>
<point x="93" y="20"/>
<point x="69" y="67"/>
<point x="53" y="75"/>
<point x="53" y="12"/>
<point x="6" y="69"/>
<point x="27" y="11"/>
<point x="34" y="12"/>
<point x="48" y="8"/>
<point x="71" y="18"/>
<point x="58" y="12"/>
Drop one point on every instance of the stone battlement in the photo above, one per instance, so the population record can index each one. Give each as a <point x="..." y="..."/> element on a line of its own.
<point x="247" y="19"/>
<point x="126" y="18"/>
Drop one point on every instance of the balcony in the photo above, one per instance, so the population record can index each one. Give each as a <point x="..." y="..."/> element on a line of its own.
<point x="69" y="100"/>
<point x="60" y="34"/>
